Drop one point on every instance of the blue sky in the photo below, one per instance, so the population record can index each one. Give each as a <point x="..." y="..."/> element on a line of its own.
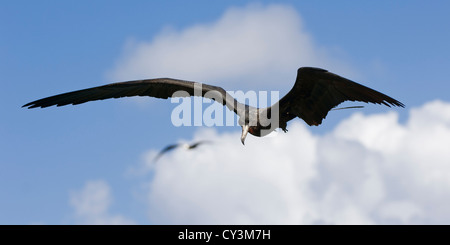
<point x="90" y="163"/>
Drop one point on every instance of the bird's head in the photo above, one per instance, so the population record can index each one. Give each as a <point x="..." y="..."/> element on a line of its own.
<point x="253" y="130"/>
<point x="245" y="130"/>
<point x="251" y="123"/>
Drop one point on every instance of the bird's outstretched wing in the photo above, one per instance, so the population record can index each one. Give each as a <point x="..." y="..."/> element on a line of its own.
<point x="317" y="91"/>
<point x="165" y="150"/>
<point x="195" y="145"/>
<point x="159" y="88"/>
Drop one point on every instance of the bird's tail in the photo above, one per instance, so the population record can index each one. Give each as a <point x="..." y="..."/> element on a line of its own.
<point x="348" y="107"/>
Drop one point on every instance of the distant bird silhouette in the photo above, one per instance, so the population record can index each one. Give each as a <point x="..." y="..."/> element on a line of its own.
<point x="316" y="91"/>
<point x="183" y="145"/>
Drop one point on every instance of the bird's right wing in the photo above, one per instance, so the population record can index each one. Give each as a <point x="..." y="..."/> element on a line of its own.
<point x="159" y="88"/>
<point x="166" y="149"/>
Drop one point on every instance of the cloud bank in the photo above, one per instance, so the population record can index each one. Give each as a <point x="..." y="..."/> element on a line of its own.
<point x="369" y="170"/>
<point x="261" y="45"/>
<point x="91" y="205"/>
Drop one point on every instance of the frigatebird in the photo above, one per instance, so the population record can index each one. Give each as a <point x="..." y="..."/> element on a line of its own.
<point x="316" y="91"/>
<point x="183" y="145"/>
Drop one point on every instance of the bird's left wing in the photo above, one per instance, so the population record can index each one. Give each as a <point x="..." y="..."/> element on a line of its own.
<point x="199" y="143"/>
<point x="317" y="91"/>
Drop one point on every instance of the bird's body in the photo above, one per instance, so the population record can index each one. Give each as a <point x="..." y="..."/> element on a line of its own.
<point x="316" y="91"/>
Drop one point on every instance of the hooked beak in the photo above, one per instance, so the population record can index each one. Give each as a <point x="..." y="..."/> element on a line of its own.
<point x="244" y="133"/>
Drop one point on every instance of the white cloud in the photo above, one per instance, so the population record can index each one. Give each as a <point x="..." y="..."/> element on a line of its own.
<point x="369" y="170"/>
<point x="91" y="205"/>
<point x="261" y="45"/>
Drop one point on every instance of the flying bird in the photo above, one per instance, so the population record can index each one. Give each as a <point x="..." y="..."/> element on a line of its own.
<point x="183" y="145"/>
<point x="316" y="91"/>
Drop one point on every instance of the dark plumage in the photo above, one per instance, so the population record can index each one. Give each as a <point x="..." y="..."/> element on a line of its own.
<point x="316" y="91"/>
<point x="183" y="145"/>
